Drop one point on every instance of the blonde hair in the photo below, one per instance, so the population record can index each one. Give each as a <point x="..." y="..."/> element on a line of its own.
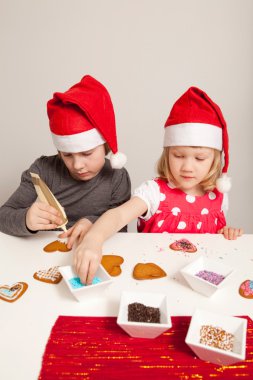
<point x="209" y="182"/>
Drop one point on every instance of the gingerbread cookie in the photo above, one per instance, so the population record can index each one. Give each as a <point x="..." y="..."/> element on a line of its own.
<point x="246" y="289"/>
<point x="13" y="292"/>
<point x="56" y="245"/>
<point x="148" y="271"/>
<point x="112" y="263"/>
<point x="183" y="245"/>
<point x="51" y="275"/>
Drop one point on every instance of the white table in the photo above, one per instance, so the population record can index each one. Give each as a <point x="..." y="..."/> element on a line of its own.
<point x="25" y="325"/>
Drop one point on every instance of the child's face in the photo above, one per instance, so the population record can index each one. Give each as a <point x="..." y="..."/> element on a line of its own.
<point x="189" y="166"/>
<point x="85" y="165"/>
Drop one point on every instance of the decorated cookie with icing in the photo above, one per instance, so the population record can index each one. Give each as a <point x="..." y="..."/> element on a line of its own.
<point x="56" y="245"/>
<point x="183" y="245"/>
<point x="148" y="271"/>
<point x="51" y="275"/>
<point x="246" y="289"/>
<point x="112" y="263"/>
<point x="11" y="293"/>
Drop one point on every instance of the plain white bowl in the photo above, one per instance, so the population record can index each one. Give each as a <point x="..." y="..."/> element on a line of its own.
<point x="143" y="329"/>
<point x="93" y="290"/>
<point x="234" y="325"/>
<point x="199" y="284"/>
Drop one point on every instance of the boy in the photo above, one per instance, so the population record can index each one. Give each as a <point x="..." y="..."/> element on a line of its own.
<point x="86" y="184"/>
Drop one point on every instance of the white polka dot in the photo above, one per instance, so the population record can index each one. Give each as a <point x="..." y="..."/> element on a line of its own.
<point x="204" y="211"/>
<point x="138" y="222"/>
<point x="211" y="195"/>
<point x="162" y="197"/>
<point x="190" y="198"/>
<point x="175" y="211"/>
<point x="216" y="221"/>
<point x="160" y="223"/>
<point x="158" y="212"/>
<point x="181" y="226"/>
<point x="199" y="225"/>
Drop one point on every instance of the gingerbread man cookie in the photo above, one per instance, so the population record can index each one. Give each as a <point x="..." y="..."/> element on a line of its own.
<point x="183" y="245"/>
<point x="56" y="245"/>
<point x="246" y="289"/>
<point x="148" y="271"/>
<point x="112" y="263"/>
<point x="13" y="292"/>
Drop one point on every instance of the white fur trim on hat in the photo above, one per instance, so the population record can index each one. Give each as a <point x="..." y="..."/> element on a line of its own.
<point x="79" y="142"/>
<point x="193" y="134"/>
<point x="118" y="160"/>
<point x="223" y="183"/>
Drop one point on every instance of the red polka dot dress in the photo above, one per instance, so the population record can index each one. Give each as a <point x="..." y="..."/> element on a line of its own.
<point x="183" y="213"/>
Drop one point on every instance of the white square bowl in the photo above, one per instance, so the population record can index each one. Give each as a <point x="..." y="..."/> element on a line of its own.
<point x="199" y="284"/>
<point x="234" y="325"/>
<point x="144" y="329"/>
<point x="85" y="291"/>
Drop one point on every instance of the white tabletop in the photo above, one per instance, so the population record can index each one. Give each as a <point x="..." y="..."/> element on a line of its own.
<point x="25" y="325"/>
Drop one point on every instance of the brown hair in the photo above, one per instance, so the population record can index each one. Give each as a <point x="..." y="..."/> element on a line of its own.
<point x="107" y="148"/>
<point x="207" y="184"/>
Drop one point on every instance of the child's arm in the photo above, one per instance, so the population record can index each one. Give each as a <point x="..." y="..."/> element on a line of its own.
<point x="230" y="233"/>
<point x="88" y="253"/>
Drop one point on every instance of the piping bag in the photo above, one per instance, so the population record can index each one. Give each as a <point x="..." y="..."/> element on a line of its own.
<point x="46" y="196"/>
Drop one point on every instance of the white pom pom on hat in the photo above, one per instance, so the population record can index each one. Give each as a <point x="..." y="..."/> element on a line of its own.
<point x="195" y="120"/>
<point x="223" y="183"/>
<point x="118" y="160"/>
<point x="82" y="118"/>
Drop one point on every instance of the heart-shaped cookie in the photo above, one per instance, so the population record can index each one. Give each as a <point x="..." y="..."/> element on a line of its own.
<point x="183" y="245"/>
<point x="56" y="245"/>
<point x="246" y="289"/>
<point x="112" y="263"/>
<point x="51" y="275"/>
<point x="148" y="271"/>
<point x="13" y="292"/>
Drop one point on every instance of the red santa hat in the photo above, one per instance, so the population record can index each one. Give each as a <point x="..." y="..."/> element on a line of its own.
<point x="82" y="118"/>
<point x="195" y="120"/>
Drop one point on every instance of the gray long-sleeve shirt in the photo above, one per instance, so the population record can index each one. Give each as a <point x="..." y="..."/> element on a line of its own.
<point x="80" y="199"/>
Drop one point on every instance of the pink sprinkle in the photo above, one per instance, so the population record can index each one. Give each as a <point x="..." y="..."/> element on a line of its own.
<point x="212" y="277"/>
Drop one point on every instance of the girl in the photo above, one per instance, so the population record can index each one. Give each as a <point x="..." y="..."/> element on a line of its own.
<point x="188" y="196"/>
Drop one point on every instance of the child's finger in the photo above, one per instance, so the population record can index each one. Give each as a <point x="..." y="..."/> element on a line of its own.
<point x="72" y="238"/>
<point x="92" y="271"/>
<point x="240" y="233"/>
<point x="82" y="271"/>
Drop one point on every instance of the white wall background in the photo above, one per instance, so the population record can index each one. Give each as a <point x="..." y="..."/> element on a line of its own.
<point x="147" y="53"/>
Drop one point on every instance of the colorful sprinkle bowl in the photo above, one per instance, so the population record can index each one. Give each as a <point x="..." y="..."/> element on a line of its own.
<point x="206" y="276"/>
<point x="231" y="325"/>
<point x="101" y="280"/>
<point x="144" y="329"/>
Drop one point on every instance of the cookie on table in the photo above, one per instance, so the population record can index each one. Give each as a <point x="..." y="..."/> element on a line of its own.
<point x="51" y="275"/>
<point x="56" y="245"/>
<point x="13" y="292"/>
<point x="112" y="263"/>
<point x="246" y="289"/>
<point x="148" y="271"/>
<point x="183" y="245"/>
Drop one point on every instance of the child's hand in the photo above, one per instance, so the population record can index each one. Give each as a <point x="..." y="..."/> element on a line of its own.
<point x="86" y="261"/>
<point x="230" y="233"/>
<point x="76" y="232"/>
<point x="41" y="216"/>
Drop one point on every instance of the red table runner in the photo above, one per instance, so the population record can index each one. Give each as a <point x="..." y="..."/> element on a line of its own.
<point x="91" y="348"/>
